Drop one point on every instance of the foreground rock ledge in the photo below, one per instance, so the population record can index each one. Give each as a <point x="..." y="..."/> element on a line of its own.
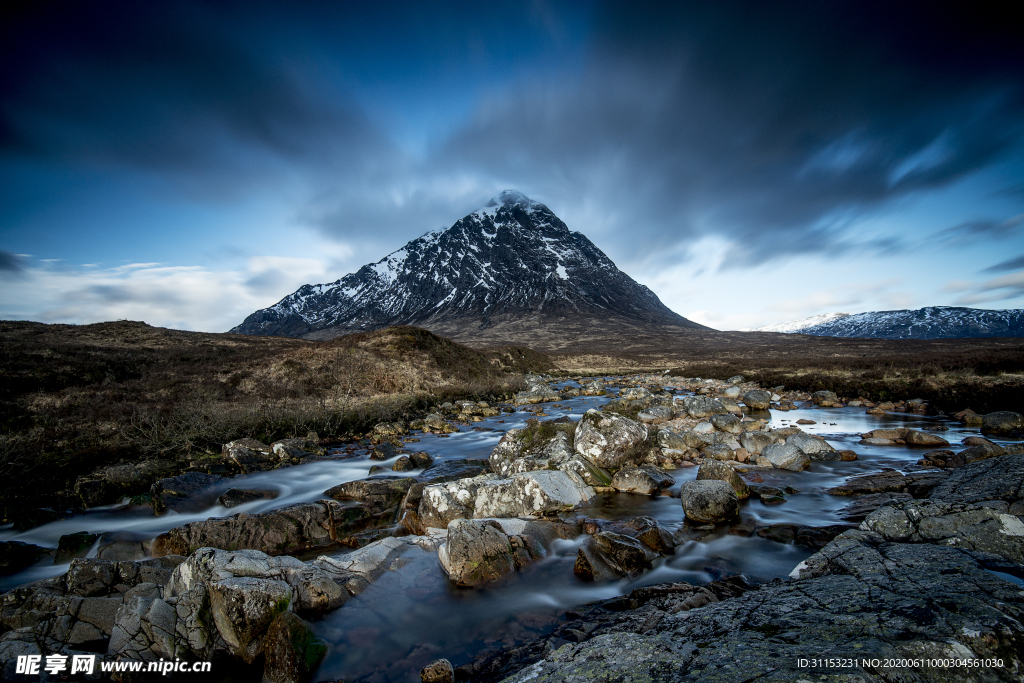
<point x="861" y="598"/>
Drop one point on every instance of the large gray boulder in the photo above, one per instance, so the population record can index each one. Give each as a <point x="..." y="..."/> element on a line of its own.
<point x="786" y="456"/>
<point x="623" y="548"/>
<point x="478" y="552"/>
<point x="727" y="423"/>
<point x="378" y="494"/>
<point x="715" y="470"/>
<point x="758" y="399"/>
<point x="1002" y="422"/>
<point x="441" y="503"/>
<point x="531" y="493"/>
<point x="825" y="398"/>
<point x="756" y="442"/>
<point x="709" y="501"/>
<point x="608" y="440"/>
<point x="243" y="609"/>
<point x="646" y="479"/>
<point x="516" y="454"/>
<point x="814" y="447"/>
<point x="703" y="406"/>
<point x="594" y="388"/>
<point x="292" y="651"/>
<point x="679" y="440"/>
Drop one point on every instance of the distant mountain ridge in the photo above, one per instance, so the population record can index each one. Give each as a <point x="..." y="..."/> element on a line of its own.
<point x="798" y="325"/>
<point x="511" y="259"/>
<point x="932" y="322"/>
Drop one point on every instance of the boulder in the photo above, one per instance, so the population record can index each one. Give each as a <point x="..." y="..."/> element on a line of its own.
<point x="755" y="442"/>
<point x="814" y="447"/>
<point x="727" y="423"/>
<point x="386" y="429"/>
<point x="181" y="492"/>
<point x="243" y="609"/>
<point x="703" y="406"/>
<point x="248" y="460"/>
<point x="594" y="388"/>
<point x="438" y="671"/>
<point x="378" y="494"/>
<point x="655" y="414"/>
<point x="646" y="479"/>
<point x="443" y="502"/>
<point x="634" y="393"/>
<point x="669" y="438"/>
<point x="914" y="437"/>
<point x="479" y="552"/>
<point x="709" y="501"/>
<point x="1002" y="422"/>
<point x="786" y="456"/>
<point x="235" y="497"/>
<point x="403" y="464"/>
<point x="719" y="451"/>
<point x="531" y="493"/>
<point x="71" y="546"/>
<point x="757" y="399"/>
<point x="623" y="548"/>
<point x="539" y="393"/>
<point x="515" y="454"/>
<point x="452" y="470"/>
<point x="292" y="651"/>
<point x="825" y="398"/>
<point x="608" y="440"/>
<point x="713" y="469"/>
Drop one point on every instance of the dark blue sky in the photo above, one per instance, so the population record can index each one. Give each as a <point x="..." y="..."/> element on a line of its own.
<point x="751" y="162"/>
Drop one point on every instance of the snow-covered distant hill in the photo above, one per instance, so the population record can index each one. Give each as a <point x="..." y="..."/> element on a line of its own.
<point x="513" y="257"/>
<point x="799" y="325"/>
<point x="933" y="322"/>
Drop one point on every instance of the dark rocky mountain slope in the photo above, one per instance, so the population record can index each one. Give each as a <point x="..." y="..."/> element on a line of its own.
<point x="512" y="262"/>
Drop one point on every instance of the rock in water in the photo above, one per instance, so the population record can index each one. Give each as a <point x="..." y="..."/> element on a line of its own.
<point x="609" y="440"/>
<point x="292" y="651"/>
<point x="479" y="552"/>
<point x="646" y="479"/>
<point x="758" y="399"/>
<point x="713" y="469"/>
<point x="1002" y="422"/>
<point x="709" y="501"/>
<point x="786" y="456"/>
<point x="532" y="493"/>
<point x="438" y="671"/>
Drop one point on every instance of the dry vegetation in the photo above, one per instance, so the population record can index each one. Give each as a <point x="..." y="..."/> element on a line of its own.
<point x="75" y="398"/>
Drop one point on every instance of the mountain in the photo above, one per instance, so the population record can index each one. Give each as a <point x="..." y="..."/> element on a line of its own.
<point x="800" y="325"/>
<point x="933" y="322"/>
<point x="511" y="261"/>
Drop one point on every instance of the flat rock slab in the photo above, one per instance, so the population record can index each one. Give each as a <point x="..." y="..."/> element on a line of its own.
<point x="863" y="597"/>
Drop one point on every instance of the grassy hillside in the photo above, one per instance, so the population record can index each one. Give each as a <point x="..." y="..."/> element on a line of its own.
<point x="75" y="398"/>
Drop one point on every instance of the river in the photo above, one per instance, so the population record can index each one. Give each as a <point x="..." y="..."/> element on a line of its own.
<point x="414" y="615"/>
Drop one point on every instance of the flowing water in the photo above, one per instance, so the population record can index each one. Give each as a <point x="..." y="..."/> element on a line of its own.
<point x="413" y="615"/>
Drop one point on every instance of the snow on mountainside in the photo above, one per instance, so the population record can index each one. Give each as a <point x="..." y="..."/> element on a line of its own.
<point x="800" y="325"/>
<point x="933" y="322"/>
<point x="513" y="256"/>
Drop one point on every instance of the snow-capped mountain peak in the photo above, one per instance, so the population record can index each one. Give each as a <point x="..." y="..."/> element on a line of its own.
<point x="512" y="257"/>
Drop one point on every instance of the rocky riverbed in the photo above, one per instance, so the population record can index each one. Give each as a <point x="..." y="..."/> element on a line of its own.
<point x="614" y="528"/>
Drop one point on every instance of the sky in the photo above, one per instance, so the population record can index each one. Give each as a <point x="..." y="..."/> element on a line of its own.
<point x="188" y="163"/>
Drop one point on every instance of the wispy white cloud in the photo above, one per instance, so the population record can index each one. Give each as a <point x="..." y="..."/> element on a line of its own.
<point x="183" y="297"/>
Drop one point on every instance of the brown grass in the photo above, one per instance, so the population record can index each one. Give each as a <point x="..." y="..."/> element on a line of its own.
<point x="76" y="398"/>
